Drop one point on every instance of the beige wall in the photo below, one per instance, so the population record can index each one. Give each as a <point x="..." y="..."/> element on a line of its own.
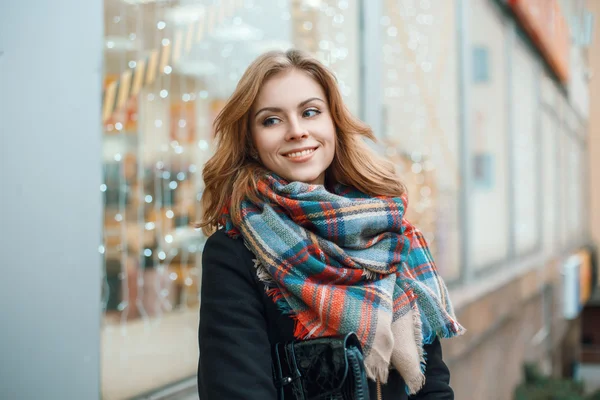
<point x="594" y="126"/>
<point x="505" y="328"/>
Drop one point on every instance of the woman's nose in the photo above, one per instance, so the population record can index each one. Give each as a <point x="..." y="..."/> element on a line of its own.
<point x="296" y="130"/>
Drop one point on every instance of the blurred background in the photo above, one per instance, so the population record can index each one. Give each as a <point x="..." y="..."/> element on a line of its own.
<point x="489" y="109"/>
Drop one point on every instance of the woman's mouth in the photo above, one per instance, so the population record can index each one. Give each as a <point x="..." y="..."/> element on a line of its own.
<point x="300" y="154"/>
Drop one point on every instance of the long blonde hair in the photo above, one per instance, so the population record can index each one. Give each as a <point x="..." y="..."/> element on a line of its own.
<point x="231" y="174"/>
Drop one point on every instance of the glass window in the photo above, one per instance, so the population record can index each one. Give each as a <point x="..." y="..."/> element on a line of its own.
<point x="549" y="131"/>
<point x="563" y="176"/>
<point x="420" y="112"/>
<point x="575" y="186"/>
<point x="487" y="204"/>
<point x="169" y="68"/>
<point x="549" y="136"/>
<point x="525" y="155"/>
<point x="584" y="192"/>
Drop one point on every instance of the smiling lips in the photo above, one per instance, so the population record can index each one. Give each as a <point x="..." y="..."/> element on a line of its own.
<point x="300" y="154"/>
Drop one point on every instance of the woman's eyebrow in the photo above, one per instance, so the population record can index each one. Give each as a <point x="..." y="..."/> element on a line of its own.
<point x="272" y="109"/>
<point x="277" y="109"/>
<point x="302" y="104"/>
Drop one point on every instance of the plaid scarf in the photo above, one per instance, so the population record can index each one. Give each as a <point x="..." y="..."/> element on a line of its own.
<point x="342" y="262"/>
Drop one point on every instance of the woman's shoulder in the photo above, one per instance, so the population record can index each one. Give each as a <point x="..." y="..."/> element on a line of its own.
<point x="222" y="241"/>
<point x="222" y="249"/>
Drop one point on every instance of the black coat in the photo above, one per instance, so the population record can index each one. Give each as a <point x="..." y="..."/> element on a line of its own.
<point x="239" y="323"/>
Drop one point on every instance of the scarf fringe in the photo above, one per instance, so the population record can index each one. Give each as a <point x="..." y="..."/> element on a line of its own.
<point x="300" y="331"/>
<point x="369" y="275"/>
<point x="263" y="275"/>
<point x="276" y="295"/>
<point x="376" y="370"/>
<point x="418" y="324"/>
<point x="448" y="331"/>
<point x="415" y="384"/>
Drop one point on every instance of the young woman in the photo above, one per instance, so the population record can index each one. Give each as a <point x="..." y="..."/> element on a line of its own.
<point x="308" y="240"/>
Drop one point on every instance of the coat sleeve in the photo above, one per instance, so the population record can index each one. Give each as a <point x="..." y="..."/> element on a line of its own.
<point x="235" y="354"/>
<point x="437" y="376"/>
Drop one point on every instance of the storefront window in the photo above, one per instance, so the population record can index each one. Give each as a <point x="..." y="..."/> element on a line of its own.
<point x="488" y="202"/>
<point x="575" y="187"/>
<point x="169" y="68"/>
<point x="549" y="136"/>
<point x="572" y="161"/>
<point x="564" y="174"/>
<point x="525" y="111"/>
<point x="420" y="117"/>
<point x="583" y="173"/>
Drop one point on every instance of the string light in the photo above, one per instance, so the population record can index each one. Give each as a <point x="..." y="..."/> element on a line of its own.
<point x="203" y="144"/>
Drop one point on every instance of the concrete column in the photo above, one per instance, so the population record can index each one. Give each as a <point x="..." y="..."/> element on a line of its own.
<point x="50" y="200"/>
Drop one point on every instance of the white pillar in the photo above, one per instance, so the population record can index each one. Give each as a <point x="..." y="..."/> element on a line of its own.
<point x="50" y="201"/>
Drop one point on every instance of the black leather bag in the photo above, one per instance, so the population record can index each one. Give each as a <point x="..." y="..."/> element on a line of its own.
<point x="320" y="369"/>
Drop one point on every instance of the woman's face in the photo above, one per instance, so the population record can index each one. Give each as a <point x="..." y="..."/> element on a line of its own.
<point x="292" y="128"/>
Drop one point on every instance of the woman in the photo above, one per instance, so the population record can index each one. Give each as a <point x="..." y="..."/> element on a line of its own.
<point x="312" y="243"/>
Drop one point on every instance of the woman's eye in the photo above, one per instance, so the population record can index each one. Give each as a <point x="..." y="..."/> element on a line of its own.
<point x="270" y="121"/>
<point x="311" y="113"/>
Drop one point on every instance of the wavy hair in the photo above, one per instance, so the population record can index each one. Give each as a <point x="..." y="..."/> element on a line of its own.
<point x="231" y="174"/>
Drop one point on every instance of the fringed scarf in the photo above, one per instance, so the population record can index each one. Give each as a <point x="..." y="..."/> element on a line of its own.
<point x="342" y="262"/>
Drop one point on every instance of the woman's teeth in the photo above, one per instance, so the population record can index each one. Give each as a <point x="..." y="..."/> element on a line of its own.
<point x="300" y="153"/>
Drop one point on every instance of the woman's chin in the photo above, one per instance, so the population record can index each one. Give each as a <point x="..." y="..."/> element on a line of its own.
<point x="311" y="179"/>
<point x="314" y="180"/>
